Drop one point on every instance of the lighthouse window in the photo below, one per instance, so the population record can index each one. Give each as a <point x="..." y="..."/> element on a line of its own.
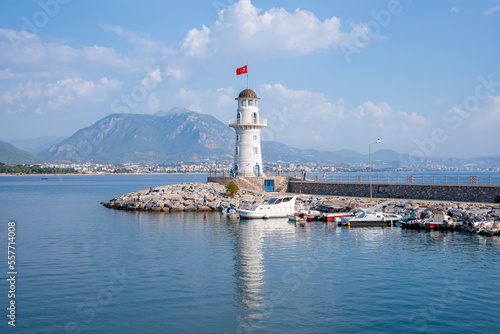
<point x="255" y="151"/>
<point x="238" y="117"/>
<point x="254" y="118"/>
<point x="255" y="137"/>
<point x="244" y="103"/>
<point x="237" y="137"/>
<point x="237" y="152"/>
<point x="250" y="103"/>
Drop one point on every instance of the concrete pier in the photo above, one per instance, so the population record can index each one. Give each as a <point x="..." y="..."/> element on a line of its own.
<point x="484" y="193"/>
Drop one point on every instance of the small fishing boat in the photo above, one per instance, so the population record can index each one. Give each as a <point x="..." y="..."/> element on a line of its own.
<point x="439" y="221"/>
<point x="370" y="217"/>
<point x="230" y="213"/>
<point x="311" y="215"/>
<point x="489" y="228"/>
<point x="276" y="207"/>
<point x="332" y="213"/>
<point x="45" y="178"/>
<point x="298" y="217"/>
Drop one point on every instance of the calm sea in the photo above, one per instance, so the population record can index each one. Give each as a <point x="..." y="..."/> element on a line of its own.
<point x="83" y="268"/>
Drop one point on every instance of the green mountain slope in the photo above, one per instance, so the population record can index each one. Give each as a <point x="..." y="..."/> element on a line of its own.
<point x="119" y="138"/>
<point x="180" y="135"/>
<point x="11" y="155"/>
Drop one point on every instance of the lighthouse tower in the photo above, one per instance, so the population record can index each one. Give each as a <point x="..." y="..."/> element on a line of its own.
<point x="247" y="153"/>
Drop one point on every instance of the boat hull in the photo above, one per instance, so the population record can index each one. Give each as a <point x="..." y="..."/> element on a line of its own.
<point x="244" y="214"/>
<point x="297" y="218"/>
<point x="385" y="223"/>
<point x="330" y="218"/>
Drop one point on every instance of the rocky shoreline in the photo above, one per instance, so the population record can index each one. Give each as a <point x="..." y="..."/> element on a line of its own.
<point x="205" y="197"/>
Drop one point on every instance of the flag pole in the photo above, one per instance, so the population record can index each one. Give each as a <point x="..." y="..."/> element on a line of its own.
<point x="247" y="74"/>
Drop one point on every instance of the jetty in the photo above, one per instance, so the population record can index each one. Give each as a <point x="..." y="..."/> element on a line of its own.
<point x="210" y="196"/>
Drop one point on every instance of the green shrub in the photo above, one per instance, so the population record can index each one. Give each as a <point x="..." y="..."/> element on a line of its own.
<point x="231" y="189"/>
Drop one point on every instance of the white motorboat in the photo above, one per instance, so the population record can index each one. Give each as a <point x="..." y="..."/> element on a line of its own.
<point x="276" y="207"/>
<point x="370" y="217"/>
<point x="298" y="217"/>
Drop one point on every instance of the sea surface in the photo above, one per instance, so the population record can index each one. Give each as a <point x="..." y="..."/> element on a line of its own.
<point x="83" y="268"/>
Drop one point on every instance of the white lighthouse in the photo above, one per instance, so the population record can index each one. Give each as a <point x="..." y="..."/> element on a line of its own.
<point x="247" y="153"/>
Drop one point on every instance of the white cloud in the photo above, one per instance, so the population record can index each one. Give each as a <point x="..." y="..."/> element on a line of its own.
<point x="9" y="74"/>
<point x="153" y="77"/>
<point x="153" y="102"/>
<point x="243" y="31"/>
<point x="143" y="43"/>
<point x="307" y="104"/>
<point x="53" y="96"/>
<point x="307" y="119"/>
<point x="22" y="51"/>
<point x="492" y="10"/>
<point x="196" y="42"/>
<point x="220" y="102"/>
<point x="487" y="116"/>
<point x="472" y="130"/>
<point x="246" y="30"/>
<point x="175" y="73"/>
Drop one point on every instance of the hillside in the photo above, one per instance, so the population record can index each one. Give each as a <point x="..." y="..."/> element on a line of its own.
<point x="177" y="136"/>
<point x="35" y="145"/>
<point x="11" y="155"/>
<point x="182" y="135"/>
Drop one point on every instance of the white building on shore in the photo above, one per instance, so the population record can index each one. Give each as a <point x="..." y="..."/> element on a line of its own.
<point x="247" y="124"/>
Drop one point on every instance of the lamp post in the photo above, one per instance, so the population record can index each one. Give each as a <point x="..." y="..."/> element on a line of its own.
<point x="370" y="157"/>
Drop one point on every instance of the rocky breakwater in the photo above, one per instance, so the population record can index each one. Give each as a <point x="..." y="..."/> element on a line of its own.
<point x="204" y="197"/>
<point x="200" y="197"/>
<point x="460" y="211"/>
<point x="463" y="212"/>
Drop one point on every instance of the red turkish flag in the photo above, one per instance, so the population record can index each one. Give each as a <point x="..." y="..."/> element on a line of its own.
<point x="241" y="70"/>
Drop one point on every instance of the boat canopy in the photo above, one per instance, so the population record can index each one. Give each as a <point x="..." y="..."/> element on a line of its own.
<point x="362" y="214"/>
<point x="278" y="200"/>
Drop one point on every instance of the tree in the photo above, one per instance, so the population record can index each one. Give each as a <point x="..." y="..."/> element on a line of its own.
<point x="231" y="189"/>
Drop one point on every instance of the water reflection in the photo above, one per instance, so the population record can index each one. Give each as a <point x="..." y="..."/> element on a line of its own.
<point x="251" y="240"/>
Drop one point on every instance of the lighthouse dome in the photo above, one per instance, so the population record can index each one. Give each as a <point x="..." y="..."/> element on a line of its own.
<point x="247" y="93"/>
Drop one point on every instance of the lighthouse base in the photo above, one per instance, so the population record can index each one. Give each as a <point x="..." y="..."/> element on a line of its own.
<point x="254" y="183"/>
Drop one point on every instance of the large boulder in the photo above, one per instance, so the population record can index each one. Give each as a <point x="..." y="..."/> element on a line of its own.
<point x="177" y="208"/>
<point x="190" y="208"/>
<point x="204" y="208"/>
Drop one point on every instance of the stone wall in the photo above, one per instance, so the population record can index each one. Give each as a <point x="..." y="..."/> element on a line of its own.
<point x="252" y="183"/>
<point x="443" y="192"/>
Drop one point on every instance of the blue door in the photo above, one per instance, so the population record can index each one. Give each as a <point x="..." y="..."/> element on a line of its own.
<point x="268" y="185"/>
<point x="256" y="170"/>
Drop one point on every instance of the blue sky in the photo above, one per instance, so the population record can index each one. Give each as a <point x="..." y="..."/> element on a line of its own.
<point x="424" y="76"/>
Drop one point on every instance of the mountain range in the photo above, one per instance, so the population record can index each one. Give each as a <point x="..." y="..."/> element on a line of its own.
<point x="35" y="145"/>
<point x="178" y="135"/>
<point x="11" y="155"/>
<point x="181" y="135"/>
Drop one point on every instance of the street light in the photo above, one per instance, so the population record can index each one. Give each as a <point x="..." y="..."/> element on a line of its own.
<point x="370" y="155"/>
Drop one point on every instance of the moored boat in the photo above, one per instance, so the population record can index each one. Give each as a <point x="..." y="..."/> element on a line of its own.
<point x="439" y="221"/>
<point x="276" y="207"/>
<point x="489" y="228"/>
<point x="370" y="217"/>
<point x="310" y="215"/>
<point x="298" y="217"/>
<point x="332" y="213"/>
